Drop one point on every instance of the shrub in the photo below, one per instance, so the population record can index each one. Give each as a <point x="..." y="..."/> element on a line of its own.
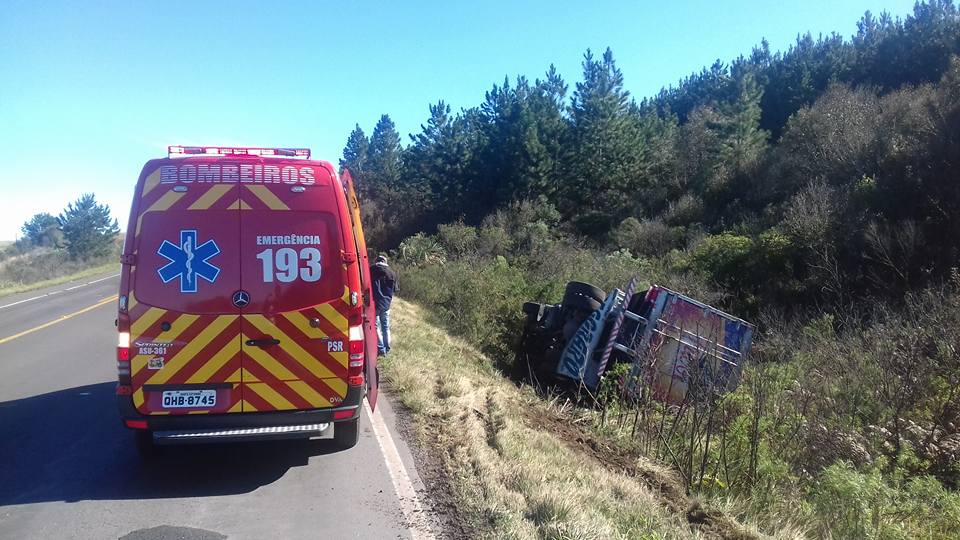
<point x="479" y="300"/>
<point x="686" y="210"/>
<point x="493" y="240"/>
<point x="724" y="256"/>
<point x="421" y="249"/>
<point x="457" y="238"/>
<point x="651" y="238"/>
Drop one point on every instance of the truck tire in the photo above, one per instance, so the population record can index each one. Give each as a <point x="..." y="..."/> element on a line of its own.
<point x="585" y="289"/>
<point x="346" y="434"/>
<point x="533" y="312"/>
<point x="582" y="303"/>
<point x="532" y="308"/>
<point x="146" y="448"/>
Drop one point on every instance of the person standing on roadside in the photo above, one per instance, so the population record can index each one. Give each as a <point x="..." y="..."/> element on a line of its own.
<point x="384" y="286"/>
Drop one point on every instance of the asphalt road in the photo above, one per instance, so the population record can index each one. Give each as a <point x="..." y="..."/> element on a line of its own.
<point x="68" y="469"/>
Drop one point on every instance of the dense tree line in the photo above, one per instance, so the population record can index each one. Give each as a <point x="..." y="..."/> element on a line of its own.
<point x="823" y="172"/>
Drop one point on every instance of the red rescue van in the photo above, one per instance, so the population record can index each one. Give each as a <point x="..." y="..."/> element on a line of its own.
<point x="245" y="307"/>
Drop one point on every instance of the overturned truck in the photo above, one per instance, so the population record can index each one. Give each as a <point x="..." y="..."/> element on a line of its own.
<point x="678" y="350"/>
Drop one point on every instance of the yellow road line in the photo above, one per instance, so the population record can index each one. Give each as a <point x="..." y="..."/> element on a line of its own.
<point x="61" y="319"/>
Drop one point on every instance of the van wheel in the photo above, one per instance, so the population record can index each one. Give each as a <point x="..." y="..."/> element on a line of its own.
<point x="145" y="445"/>
<point x="346" y="434"/>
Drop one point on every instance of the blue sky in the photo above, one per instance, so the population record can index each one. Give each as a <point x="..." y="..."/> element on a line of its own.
<point x="91" y="90"/>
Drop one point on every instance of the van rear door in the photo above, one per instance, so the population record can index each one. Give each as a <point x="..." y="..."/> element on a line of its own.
<point x="184" y="330"/>
<point x="369" y="308"/>
<point x="294" y="330"/>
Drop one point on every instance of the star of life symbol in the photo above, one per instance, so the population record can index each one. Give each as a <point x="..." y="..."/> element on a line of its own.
<point x="188" y="261"/>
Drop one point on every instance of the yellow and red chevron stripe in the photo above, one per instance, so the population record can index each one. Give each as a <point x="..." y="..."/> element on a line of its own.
<point x="299" y="373"/>
<point x="202" y="349"/>
<point x="158" y="198"/>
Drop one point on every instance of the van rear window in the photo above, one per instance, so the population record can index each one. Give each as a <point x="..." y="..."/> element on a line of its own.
<point x="188" y="261"/>
<point x="290" y="259"/>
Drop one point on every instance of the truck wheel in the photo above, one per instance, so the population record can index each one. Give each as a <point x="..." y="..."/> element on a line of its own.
<point x="532" y="308"/>
<point x="346" y="434"/>
<point x="581" y="302"/>
<point x="585" y="289"/>
<point x="145" y="445"/>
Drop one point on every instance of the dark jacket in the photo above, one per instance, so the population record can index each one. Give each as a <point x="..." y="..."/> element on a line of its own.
<point x="384" y="285"/>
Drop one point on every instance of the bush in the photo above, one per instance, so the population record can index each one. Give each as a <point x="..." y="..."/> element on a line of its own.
<point x="856" y="504"/>
<point x="493" y="240"/>
<point x="684" y="211"/>
<point x="479" y="300"/>
<point x="421" y="249"/>
<point x="651" y="238"/>
<point x="726" y="257"/>
<point x="457" y="238"/>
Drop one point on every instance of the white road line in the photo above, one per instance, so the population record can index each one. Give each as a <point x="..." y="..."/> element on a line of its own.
<point x="409" y="501"/>
<point x="51" y="293"/>
<point x="102" y="279"/>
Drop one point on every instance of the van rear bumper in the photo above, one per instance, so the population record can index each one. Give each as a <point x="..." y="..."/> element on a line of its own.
<point x="300" y="423"/>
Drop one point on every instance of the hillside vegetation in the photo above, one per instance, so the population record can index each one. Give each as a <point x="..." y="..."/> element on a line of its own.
<point x="815" y="191"/>
<point x="82" y="241"/>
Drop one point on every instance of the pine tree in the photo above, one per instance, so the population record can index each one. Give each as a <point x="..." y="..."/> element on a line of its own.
<point x="87" y="228"/>
<point x="355" y="156"/>
<point x="608" y="164"/>
<point x="384" y="154"/>
<point x="42" y="230"/>
<point x="445" y="158"/>
<point x="743" y="142"/>
<point x="525" y="132"/>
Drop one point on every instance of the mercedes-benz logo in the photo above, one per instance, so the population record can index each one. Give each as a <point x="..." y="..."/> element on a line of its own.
<point x="241" y="299"/>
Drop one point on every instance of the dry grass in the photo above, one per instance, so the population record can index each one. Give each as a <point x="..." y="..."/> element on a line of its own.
<point x="8" y="287"/>
<point x="512" y="479"/>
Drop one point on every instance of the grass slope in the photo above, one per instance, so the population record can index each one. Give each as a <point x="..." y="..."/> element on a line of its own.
<point x="508" y="456"/>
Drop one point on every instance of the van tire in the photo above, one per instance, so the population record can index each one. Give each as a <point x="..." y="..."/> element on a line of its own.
<point x="346" y="434"/>
<point x="146" y="448"/>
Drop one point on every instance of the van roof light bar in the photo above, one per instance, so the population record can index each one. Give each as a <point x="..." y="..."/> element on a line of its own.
<point x="183" y="151"/>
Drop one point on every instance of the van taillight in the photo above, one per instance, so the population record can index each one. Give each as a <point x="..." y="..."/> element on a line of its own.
<point x="136" y="424"/>
<point x="123" y="358"/>
<point x="355" y="360"/>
